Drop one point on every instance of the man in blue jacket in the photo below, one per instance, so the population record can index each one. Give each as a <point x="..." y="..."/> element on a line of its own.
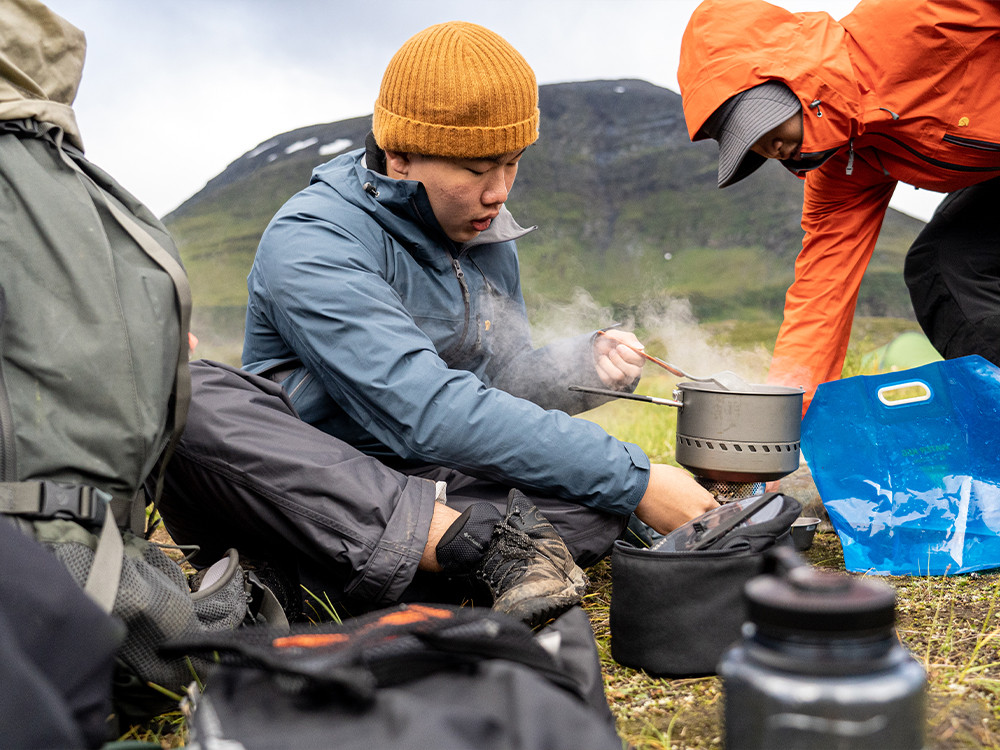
<point x="385" y="298"/>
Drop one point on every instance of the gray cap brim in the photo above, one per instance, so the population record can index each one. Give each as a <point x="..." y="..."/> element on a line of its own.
<point x="742" y="120"/>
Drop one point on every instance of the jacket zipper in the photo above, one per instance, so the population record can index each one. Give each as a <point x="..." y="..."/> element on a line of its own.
<point x="298" y="387"/>
<point x="460" y="275"/>
<point x="971" y="143"/>
<point x="944" y="164"/>
<point x="467" y="301"/>
<point x="466" y="297"/>
<point x="8" y="467"/>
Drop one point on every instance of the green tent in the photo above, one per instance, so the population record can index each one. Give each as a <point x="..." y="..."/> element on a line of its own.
<point x="910" y="349"/>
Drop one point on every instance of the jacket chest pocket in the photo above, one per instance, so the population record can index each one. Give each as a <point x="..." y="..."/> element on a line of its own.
<point x="443" y="330"/>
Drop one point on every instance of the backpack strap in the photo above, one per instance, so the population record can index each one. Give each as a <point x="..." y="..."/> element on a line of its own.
<point x="106" y="570"/>
<point x="182" y="379"/>
<point x="47" y="499"/>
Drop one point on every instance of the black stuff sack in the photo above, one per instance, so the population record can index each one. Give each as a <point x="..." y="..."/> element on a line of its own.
<point x="676" y="606"/>
<point x="417" y="676"/>
<point x="57" y="689"/>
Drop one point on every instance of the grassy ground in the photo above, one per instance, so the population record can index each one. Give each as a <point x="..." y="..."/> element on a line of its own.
<point x="951" y="625"/>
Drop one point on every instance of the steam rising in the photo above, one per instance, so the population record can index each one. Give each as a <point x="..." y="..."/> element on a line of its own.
<point x="668" y="329"/>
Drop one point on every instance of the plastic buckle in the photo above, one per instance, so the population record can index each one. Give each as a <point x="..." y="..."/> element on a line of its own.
<point x="73" y="502"/>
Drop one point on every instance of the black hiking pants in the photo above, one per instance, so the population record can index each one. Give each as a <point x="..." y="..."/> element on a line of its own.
<point x="249" y="474"/>
<point x="953" y="273"/>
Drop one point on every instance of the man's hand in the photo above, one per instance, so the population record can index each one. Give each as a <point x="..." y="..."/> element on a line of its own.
<point x="618" y="365"/>
<point x="673" y="497"/>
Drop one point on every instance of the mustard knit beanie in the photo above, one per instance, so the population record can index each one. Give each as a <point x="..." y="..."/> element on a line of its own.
<point x="457" y="89"/>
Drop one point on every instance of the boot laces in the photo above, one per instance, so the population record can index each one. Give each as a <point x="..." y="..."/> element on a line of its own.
<point x="504" y="562"/>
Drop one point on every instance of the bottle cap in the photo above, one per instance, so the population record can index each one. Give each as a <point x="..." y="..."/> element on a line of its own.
<point x="810" y="601"/>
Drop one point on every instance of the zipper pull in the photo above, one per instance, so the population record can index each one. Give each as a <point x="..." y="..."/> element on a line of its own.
<point x="850" y="157"/>
<point x="466" y="297"/>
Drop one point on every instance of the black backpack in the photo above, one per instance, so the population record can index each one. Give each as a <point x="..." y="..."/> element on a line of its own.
<point x="419" y="676"/>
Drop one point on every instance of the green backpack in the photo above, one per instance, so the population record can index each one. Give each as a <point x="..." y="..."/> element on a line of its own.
<point x="94" y="312"/>
<point x="94" y="388"/>
<point x="94" y="382"/>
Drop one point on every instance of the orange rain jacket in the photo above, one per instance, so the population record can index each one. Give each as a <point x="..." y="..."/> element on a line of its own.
<point x="905" y="89"/>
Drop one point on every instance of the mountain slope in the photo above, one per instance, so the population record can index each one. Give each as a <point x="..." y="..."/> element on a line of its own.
<point x="627" y="209"/>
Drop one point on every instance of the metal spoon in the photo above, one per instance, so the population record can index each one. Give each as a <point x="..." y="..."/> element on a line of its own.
<point x="727" y="379"/>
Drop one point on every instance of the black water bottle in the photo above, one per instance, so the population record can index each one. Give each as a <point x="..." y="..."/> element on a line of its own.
<point x="819" y="666"/>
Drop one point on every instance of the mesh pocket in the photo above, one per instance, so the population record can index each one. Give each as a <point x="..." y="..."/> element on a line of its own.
<point x="222" y="604"/>
<point x="155" y="603"/>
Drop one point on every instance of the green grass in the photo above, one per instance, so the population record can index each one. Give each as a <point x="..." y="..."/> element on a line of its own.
<point x="650" y="426"/>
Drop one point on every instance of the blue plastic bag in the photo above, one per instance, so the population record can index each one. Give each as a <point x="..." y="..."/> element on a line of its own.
<point x="908" y="467"/>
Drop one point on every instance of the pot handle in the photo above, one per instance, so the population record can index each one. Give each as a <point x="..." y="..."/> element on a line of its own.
<point x="622" y="394"/>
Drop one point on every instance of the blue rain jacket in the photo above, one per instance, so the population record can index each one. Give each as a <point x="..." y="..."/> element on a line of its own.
<point x="409" y="346"/>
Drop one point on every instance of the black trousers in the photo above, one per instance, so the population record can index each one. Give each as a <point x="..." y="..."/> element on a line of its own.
<point x="953" y="273"/>
<point x="249" y="474"/>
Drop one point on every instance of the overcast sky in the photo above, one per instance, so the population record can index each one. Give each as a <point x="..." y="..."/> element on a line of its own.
<point x="175" y="90"/>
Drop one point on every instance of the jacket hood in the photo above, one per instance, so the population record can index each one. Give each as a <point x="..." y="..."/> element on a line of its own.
<point x="41" y="62"/>
<point x="733" y="45"/>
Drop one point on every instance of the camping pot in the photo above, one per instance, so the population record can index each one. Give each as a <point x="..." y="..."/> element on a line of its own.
<point x="750" y="435"/>
<point x="746" y="435"/>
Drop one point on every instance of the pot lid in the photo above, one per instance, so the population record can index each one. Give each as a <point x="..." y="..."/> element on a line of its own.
<point x="762" y="389"/>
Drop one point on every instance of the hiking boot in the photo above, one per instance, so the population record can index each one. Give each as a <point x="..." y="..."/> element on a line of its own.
<point x="523" y="515"/>
<point x="527" y="567"/>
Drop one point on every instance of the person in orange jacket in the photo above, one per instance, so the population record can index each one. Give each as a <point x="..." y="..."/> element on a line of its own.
<point x="896" y="91"/>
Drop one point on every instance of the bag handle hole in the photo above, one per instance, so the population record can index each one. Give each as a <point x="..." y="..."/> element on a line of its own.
<point x="900" y="394"/>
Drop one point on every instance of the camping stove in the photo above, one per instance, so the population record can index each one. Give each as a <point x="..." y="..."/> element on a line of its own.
<point x="743" y="481"/>
<point x="727" y="492"/>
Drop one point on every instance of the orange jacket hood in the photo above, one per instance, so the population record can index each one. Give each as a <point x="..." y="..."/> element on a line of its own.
<point x="900" y="66"/>
<point x="733" y="45"/>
